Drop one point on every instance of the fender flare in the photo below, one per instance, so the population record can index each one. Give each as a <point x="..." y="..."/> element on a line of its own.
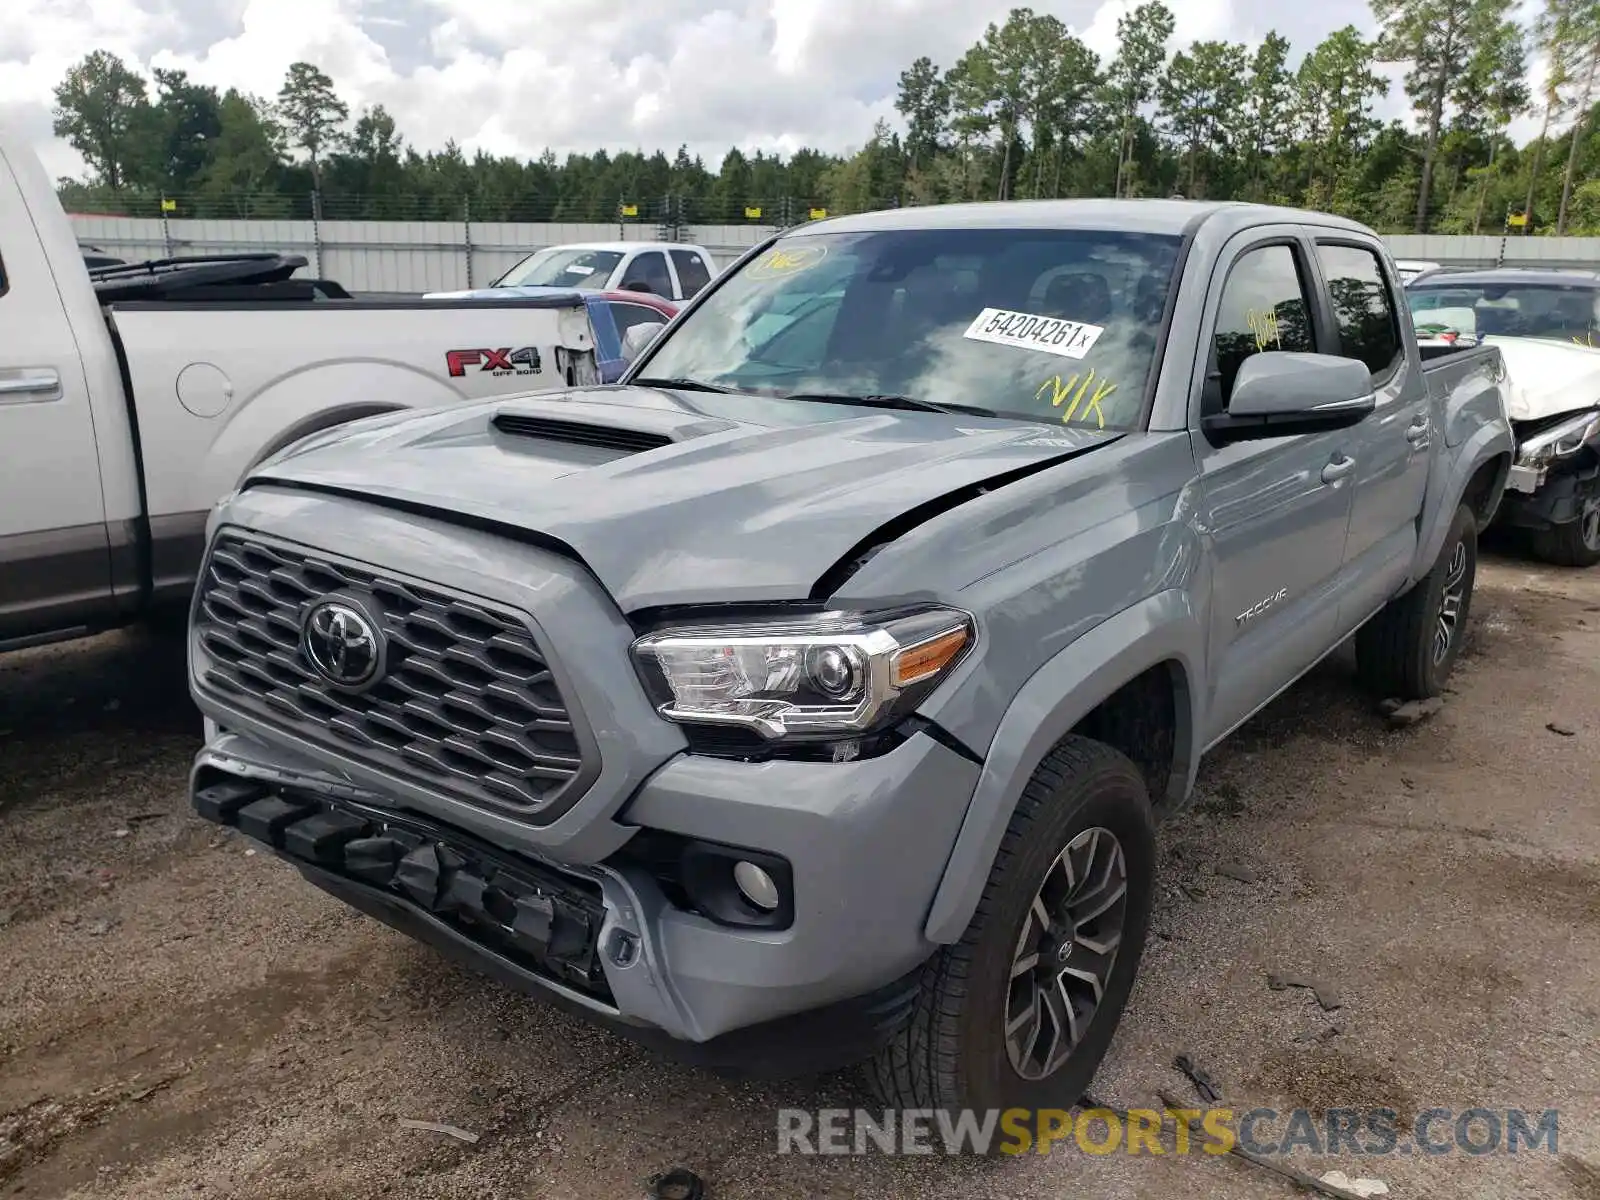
<point x="1161" y="628"/>
<point x="1481" y="448"/>
<point x="319" y="422"/>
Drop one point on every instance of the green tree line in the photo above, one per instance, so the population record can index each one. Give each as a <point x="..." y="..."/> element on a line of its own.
<point x="1028" y="111"/>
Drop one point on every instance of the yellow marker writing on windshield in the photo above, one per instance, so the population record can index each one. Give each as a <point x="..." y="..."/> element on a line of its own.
<point x="1076" y="389"/>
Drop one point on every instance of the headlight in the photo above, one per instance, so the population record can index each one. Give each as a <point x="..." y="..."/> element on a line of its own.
<point x="833" y="675"/>
<point x="1566" y="438"/>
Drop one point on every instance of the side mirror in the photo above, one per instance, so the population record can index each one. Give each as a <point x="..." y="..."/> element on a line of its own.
<point x="1283" y="393"/>
<point x="638" y="337"/>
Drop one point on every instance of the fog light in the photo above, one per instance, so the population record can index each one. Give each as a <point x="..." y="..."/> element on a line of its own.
<point x="756" y="885"/>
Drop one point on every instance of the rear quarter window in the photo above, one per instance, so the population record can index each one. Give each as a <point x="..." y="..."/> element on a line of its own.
<point x="1363" y="307"/>
<point x="692" y="272"/>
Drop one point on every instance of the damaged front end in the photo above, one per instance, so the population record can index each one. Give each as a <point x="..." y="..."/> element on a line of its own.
<point x="1553" y="446"/>
<point x="540" y="920"/>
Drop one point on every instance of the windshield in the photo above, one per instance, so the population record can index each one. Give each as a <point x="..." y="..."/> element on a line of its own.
<point x="558" y="266"/>
<point x="1537" y="310"/>
<point x="1055" y="325"/>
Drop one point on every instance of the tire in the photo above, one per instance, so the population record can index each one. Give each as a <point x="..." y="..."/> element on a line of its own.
<point x="1399" y="652"/>
<point x="953" y="1053"/>
<point x="1575" y="544"/>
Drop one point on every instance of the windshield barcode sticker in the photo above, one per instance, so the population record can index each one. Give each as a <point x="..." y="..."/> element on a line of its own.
<point x="1026" y="331"/>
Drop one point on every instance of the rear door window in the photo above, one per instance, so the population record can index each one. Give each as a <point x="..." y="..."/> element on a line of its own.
<point x="692" y="272"/>
<point x="1363" y="308"/>
<point x="650" y="270"/>
<point x="629" y="315"/>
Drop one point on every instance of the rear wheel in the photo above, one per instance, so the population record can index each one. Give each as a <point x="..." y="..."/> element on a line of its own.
<point x="1575" y="544"/>
<point x="1020" y="1011"/>
<point x="1409" y="649"/>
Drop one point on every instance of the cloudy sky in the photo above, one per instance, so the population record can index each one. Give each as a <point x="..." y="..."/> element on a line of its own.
<point x="515" y="76"/>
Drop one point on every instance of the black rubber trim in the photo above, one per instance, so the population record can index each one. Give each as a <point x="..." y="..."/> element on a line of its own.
<point x="823" y="1039"/>
<point x="546" y="921"/>
<point x="144" y="550"/>
<point x="921" y="724"/>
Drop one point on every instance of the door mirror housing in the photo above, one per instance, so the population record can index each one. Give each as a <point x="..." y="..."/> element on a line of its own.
<point x="638" y="337"/>
<point x="1284" y="393"/>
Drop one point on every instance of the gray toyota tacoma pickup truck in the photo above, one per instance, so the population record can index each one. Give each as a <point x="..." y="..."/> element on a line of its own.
<point x="813" y="694"/>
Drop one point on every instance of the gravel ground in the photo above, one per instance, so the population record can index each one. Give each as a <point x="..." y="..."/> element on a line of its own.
<point x="182" y="1016"/>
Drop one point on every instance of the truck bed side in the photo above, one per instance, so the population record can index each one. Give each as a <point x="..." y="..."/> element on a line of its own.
<point x="218" y="387"/>
<point x="1466" y="398"/>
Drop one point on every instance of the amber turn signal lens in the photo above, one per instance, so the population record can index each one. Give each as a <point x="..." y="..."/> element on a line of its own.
<point x="916" y="663"/>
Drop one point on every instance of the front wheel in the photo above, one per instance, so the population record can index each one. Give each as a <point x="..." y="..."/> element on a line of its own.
<point x="1020" y="1011"/>
<point x="1575" y="544"/>
<point x="1409" y="648"/>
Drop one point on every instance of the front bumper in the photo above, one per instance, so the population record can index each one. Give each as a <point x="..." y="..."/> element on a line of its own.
<point x="867" y="842"/>
<point x="582" y="919"/>
<point x="1539" y="498"/>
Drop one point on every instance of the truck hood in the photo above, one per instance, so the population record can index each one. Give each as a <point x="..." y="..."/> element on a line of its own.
<point x="1545" y="378"/>
<point x="674" y="497"/>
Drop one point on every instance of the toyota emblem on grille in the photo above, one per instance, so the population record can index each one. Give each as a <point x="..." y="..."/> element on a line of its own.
<point x="342" y="643"/>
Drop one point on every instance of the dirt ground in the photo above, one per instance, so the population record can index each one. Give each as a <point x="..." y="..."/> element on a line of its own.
<point x="181" y="1016"/>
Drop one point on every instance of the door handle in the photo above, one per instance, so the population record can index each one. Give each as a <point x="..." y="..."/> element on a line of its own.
<point x="1417" y="430"/>
<point x="29" y="385"/>
<point x="1338" y="469"/>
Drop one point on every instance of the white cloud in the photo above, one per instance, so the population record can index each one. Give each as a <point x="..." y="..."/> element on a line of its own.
<point x="1193" y="20"/>
<point x="515" y="76"/>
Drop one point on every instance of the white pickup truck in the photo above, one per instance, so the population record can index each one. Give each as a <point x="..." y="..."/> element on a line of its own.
<point x="132" y="399"/>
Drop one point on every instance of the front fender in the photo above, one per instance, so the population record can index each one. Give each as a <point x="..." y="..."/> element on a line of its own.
<point x="1162" y="628"/>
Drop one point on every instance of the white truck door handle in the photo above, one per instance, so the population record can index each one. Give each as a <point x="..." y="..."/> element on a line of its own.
<point x="1417" y="430"/>
<point x="30" y="385"/>
<point x="1338" y="469"/>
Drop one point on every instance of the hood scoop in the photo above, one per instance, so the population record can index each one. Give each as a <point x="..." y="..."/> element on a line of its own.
<point x="580" y="433"/>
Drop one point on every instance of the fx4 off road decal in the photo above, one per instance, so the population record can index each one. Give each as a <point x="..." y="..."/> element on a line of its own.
<point x="497" y="362"/>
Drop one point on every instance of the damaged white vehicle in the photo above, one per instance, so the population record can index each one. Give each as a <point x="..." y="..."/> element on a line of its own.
<point x="1547" y="326"/>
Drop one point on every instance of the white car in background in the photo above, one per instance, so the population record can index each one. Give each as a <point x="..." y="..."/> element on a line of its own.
<point x="1410" y="268"/>
<point x="670" y="270"/>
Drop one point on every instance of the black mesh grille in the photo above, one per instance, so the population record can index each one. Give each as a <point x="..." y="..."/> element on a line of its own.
<point x="467" y="702"/>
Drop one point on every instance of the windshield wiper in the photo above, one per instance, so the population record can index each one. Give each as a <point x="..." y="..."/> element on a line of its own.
<point x="683" y="385"/>
<point x="905" y="403"/>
